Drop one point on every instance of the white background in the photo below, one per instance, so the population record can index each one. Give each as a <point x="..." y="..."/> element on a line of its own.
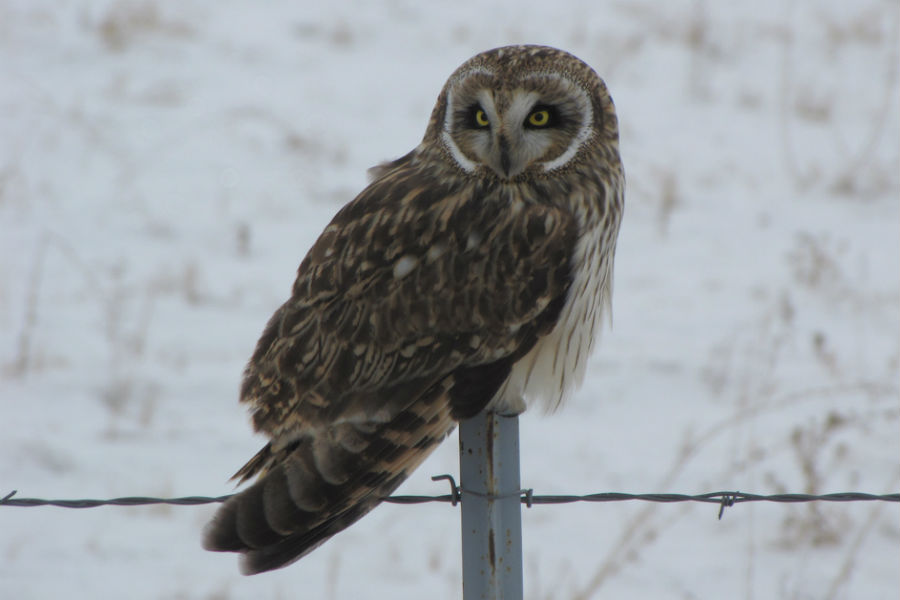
<point x="164" y="166"/>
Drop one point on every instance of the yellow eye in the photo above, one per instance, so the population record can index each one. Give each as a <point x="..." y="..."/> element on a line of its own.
<point x="539" y="118"/>
<point x="481" y="119"/>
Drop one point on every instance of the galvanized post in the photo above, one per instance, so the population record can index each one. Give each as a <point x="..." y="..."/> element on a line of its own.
<point x="491" y="507"/>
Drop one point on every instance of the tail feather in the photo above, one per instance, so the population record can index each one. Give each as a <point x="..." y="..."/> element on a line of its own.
<point x="320" y="485"/>
<point x="250" y="520"/>
<point x="294" y="547"/>
<point x="283" y="507"/>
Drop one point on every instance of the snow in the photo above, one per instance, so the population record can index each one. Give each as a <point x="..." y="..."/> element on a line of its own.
<point x="165" y="166"/>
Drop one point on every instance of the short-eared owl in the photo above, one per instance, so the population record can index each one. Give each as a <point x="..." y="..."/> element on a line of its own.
<point x="472" y="273"/>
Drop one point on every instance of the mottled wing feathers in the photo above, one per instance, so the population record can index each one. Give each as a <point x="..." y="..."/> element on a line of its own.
<point x="408" y="282"/>
<point x="406" y="315"/>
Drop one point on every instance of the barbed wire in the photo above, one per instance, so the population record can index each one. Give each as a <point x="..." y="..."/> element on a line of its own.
<point x="528" y="497"/>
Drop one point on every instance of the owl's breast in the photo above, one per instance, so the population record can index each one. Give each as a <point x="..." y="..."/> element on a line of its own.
<point x="556" y="364"/>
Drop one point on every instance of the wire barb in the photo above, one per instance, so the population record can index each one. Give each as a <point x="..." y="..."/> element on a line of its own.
<point x="455" y="494"/>
<point x="529" y="497"/>
<point x="727" y="500"/>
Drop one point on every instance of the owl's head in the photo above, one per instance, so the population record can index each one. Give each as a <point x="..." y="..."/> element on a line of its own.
<point x="523" y="111"/>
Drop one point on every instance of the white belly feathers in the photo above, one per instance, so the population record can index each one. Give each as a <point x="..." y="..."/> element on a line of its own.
<point x="557" y="363"/>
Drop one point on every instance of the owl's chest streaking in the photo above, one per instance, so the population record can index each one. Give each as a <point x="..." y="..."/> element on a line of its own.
<point x="557" y="362"/>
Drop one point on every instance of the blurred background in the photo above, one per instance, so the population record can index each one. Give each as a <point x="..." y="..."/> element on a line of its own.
<point x="164" y="167"/>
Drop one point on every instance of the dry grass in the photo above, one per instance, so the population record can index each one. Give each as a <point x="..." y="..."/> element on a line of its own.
<point x="128" y="21"/>
<point x="855" y="173"/>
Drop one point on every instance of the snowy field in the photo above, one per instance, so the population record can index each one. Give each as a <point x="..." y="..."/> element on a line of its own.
<point x="164" y="166"/>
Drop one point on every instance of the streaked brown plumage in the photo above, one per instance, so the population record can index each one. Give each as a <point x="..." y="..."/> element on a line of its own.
<point x="472" y="272"/>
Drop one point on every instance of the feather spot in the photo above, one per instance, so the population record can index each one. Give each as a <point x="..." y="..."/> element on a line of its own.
<point x="473" y="240"/>
<point x="435" y="251"/>
<point x="404" y="266"/>
<point x="549" y="223"/>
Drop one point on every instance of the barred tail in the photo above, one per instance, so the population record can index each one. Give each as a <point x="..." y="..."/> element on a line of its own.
<point x="318" y="486"/>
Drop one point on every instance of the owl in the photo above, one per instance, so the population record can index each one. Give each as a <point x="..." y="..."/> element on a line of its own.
<point x="471" y="274"/>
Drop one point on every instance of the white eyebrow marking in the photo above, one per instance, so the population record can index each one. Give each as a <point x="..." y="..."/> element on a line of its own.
<point x="521" y="106"/>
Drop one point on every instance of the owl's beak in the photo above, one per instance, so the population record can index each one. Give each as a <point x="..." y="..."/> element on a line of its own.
<point x="502" y="158"/>
<point x="503" y="146"/>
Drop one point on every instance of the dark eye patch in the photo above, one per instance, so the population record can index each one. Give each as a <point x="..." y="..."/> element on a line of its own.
<point x="543" y="116"/>
<point x="476" y="118"/>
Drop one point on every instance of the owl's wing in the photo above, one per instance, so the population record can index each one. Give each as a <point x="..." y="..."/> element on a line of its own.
<point x="407" y="315"/>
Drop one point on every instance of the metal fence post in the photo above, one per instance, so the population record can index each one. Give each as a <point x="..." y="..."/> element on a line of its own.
<point x="491" y="507"/>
